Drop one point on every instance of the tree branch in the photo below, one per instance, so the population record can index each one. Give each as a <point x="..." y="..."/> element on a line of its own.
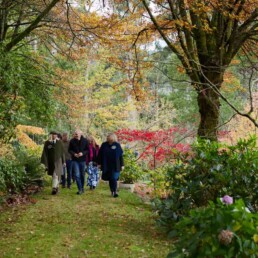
<point x="33" y="26"/>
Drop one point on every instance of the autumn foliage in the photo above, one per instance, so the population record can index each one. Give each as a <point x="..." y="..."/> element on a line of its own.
<point x="22" y="132"/>
<point x="156" y="147"/>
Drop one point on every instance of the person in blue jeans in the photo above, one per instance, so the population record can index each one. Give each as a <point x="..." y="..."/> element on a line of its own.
<point x="66" y="178"/>
<point x="111" y="162"/>
<point x="78" y="148"/>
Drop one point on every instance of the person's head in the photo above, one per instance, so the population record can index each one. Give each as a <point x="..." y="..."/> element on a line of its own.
<point x="53" y="135"/>
<point x="92" y="141"/>
<point x="65" y="137"/>
<point x="77" y="134"/>
<point x="111" y="138"/>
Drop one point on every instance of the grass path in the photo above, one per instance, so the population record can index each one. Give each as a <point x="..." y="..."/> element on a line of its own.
<point x="90" y="225"/>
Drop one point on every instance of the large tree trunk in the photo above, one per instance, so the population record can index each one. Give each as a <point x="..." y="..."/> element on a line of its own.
<point x="209" y="105"/>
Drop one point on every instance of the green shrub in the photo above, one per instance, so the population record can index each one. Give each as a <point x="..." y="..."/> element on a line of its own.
<point x="30" y="160"/>
<point x="217" y="230"/>
<point x="158" y="181"/>
<point x="21" y="170"/>
<point x="212" y="170"/>
<point x="12" y="176"/>
<point x="132" y="171"/>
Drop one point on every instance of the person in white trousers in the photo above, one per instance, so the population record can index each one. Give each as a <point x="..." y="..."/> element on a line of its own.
<point x="53" y="157"/>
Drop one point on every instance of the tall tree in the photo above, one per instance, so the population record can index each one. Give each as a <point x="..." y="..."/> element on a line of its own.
<point x="205" y="35"/>
<point x="25" y="87"/>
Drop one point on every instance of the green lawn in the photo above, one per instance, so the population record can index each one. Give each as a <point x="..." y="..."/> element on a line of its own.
<point x="90" y="225"/>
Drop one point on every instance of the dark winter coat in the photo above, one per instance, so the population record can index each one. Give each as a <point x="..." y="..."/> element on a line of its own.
<point x="110" y="157"/>
<point x="53" y="157"/>
<point x="76" y="146"/>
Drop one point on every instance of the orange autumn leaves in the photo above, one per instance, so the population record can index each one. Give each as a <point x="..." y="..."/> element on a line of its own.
<point x="22" y="132"/>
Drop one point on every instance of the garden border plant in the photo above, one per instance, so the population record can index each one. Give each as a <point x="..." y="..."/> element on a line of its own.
<point x="222" y="229"/>
<point x="211" y="170"/>
<point x="132" y="171"/>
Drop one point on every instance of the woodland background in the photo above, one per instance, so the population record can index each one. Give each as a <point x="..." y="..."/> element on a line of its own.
<point x="176" y="80"/>
<point x="104" y="66"/>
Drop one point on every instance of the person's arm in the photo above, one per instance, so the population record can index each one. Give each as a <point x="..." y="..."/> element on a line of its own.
<point x="86" y="148"/>
<point x="70" y="149"/>
<point x="121" y="158"/>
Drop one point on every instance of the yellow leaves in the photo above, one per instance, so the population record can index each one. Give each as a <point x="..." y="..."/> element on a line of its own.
<point x="23" y="138"/>
<point x="232" y="83"/>
<point x="5" y="150"/>
<point x="255" y="238"/>
<point x="30" y="129"/>
<point x="180" y="69"/>
<point x="200" y="8"/>
<point x="235" y="62"/>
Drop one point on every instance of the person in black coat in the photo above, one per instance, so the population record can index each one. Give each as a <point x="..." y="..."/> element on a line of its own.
<point x="78" y="148"/>
<point x="111" y="162"/>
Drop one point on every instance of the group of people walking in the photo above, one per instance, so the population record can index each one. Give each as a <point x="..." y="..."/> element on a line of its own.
<point x="68" y="161"/>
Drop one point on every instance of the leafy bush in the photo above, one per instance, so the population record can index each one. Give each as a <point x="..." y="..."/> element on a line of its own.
<point x="158" y="181"/>
<point x="218" y="230"/>
<point x="12" y="176"/>
<point x="30" y="160"/>
<point x="20" y="170"/>
<point x="212" y="170"/>
<point x="132" y="171"/>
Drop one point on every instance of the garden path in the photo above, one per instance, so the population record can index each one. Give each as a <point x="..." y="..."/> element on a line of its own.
<point x="90" y="225"/>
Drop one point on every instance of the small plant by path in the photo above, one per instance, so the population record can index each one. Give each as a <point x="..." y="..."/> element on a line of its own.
<point x="91" y="225"/>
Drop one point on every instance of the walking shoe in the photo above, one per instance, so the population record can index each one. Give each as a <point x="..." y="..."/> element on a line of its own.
<point x="115" y="195"/>
<point x="79" y="192"/>
<point x="54" y="191"/>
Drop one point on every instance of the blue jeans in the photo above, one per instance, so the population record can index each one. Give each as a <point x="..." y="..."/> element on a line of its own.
<point x="79" y="171"/>
<point x="68" y="169"/>
<point x="113" y="181"/>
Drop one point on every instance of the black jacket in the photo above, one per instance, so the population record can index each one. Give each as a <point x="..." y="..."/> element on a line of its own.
<point x="77" y="146"/>
<point x="110" y="157"/>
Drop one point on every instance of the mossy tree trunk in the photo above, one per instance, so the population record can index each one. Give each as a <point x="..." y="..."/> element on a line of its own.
<point x="208" y="100"/>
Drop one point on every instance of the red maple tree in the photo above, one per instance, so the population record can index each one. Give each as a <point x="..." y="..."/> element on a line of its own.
<point x="156" y="147"/>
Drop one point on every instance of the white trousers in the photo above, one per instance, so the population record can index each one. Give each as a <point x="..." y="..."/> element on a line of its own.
<point x="55" y="180"/>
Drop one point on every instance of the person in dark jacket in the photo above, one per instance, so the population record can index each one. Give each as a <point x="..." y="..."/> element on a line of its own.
<point x="67" y="171"/>
<point x="53" y="157"/>
<point x="78" y="148"/>
<point x="110" y="159"/>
